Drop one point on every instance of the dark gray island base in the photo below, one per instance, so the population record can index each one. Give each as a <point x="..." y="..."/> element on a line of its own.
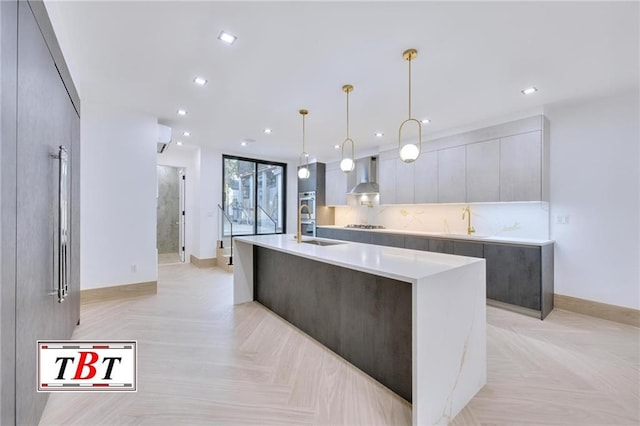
<point x="364" y="318"/>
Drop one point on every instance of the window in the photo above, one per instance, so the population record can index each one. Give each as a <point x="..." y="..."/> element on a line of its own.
<point x="253" y="196"/>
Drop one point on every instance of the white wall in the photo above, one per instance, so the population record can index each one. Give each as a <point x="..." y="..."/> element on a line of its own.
<point x="595" y="182"/>
<point x="210" y="195"/>
<point x="177" y="157"/>
<point x="118" y="196"/>
<point x="208" y="187"/>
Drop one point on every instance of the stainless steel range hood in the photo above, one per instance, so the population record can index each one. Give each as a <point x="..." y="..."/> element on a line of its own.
<point x="366" y="175"/>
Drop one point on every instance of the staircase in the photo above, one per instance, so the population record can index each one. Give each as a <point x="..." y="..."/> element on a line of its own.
<point x="223" y="257"/>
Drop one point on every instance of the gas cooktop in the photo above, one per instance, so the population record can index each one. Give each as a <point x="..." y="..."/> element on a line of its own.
<point x="352" y="225"/>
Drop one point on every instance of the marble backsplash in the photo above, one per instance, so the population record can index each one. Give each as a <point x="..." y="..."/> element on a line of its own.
<point x="514" y="219"/>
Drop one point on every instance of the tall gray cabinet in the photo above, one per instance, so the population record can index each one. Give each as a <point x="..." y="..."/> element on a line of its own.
<point x="40" y="112"/>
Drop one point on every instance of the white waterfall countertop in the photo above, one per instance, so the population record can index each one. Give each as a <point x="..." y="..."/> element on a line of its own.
<point x="391" y="262"/>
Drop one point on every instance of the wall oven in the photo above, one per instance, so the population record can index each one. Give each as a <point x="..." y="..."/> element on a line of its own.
<point x="308" y="228"/>
<point x="308" y="199"/>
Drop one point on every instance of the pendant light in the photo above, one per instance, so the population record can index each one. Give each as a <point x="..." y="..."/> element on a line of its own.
<point x="303" y="161"/>
<point x="409" y="152"/>
<point x="347" y="163"/>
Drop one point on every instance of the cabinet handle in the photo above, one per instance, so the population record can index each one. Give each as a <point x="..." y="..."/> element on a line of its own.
<point x="61" y="237"/>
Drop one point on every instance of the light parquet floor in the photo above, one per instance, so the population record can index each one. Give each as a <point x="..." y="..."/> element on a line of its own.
<point x="204" y="361"/>
<point x="168" y="258"/>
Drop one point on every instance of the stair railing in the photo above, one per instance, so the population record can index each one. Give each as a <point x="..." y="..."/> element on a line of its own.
<point x="275" y="223"/>
<point x="226" y="230"/>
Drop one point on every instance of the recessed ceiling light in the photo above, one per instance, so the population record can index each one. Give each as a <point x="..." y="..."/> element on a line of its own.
<point x="200" y="81"/>
<point x="426" y="121"/>
<point x="379" y="134"/>
<point x="529" y="90"/>
<point x="186" y="134"/>
<point x="243" y="143"/>
<point x="226" y="37"/>
<point x="182" y="112"/>
<point x="179" y="143"/>
<point x="267" y="131"/>
<point x="336" y="147"/>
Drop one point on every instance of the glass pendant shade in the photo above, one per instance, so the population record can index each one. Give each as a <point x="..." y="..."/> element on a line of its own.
<point x="347" y="165"/>
<point x="303" y="161"/>
<point x="303" y="173"/>
<point x="409" y="153"/>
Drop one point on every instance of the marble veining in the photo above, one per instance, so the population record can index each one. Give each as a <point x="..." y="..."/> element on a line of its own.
<point x="508" y="220"/>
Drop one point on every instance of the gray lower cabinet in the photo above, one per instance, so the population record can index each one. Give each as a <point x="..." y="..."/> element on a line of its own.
<point x="328" y="233"/>
<point x="517" y="275"/>
<point x="441" y="246"/>
<point x="467" y="248"/>
<point x="520" y="276"/>
<point x="514" y="273"/>
<point x="345" y="235"/>
<point x="384" y="239"/>
<point x="416" y="243"/>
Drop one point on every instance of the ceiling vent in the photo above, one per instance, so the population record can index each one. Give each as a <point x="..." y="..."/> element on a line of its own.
<point x="164" y="138"/>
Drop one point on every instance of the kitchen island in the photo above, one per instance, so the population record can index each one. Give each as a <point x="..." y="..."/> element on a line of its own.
<point x="414" y="321"/>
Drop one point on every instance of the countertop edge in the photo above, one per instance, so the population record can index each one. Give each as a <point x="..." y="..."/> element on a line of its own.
<point x="497" y="240"/>
<point x="356" y="267"/>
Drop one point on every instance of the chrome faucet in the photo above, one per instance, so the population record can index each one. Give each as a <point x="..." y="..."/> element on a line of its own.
<point x="299" y="234"/>
<point x="467" y="211"/>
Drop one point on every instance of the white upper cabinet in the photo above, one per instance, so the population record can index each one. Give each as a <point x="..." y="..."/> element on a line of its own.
<point x="507" y="162"/>
<point x="404" y="182"/>
<point x="425" y="185"/>
<point x="396" y="179"/>
<point x="483" y="171"/>
<point x="387" y="177"/>
<point x="521" y="167"/>
<point x="452" y="175"/>
<point x="336" y="182"/>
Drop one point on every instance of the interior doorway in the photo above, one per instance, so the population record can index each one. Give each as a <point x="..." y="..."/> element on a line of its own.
<point x="171" y="215"/>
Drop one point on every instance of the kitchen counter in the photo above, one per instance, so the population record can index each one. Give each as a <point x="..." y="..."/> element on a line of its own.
<point x="479" y="238"/>
<point x="391" y="262"/>
<point x="519" y="271"/>
<point x="415" y="321"/>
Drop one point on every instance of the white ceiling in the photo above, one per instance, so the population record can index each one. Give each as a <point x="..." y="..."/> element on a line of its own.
<point x="473" y="60"/>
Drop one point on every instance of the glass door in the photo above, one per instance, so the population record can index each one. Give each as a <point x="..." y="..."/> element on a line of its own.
<point x="239" y="191"/>
<point x="270" y="185"/>
<point x="254" y="196"/>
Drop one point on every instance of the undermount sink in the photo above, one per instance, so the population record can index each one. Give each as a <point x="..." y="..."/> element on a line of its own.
<point x="321" y="243"/>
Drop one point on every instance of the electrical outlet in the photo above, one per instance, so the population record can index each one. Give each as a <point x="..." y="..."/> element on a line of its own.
<point x="134" y="268"/>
